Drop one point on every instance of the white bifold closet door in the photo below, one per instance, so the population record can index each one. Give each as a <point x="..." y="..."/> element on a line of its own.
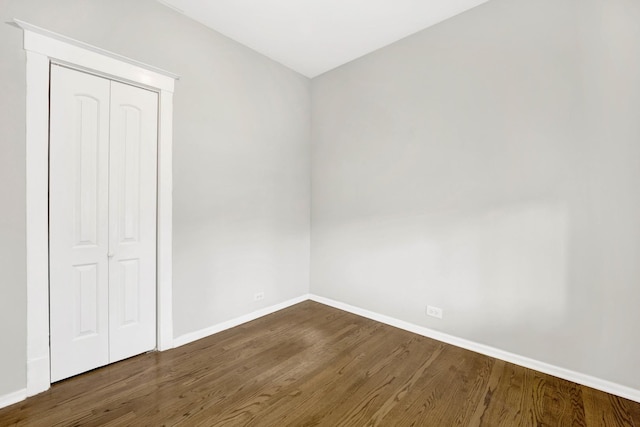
<point x="102" y="221"/>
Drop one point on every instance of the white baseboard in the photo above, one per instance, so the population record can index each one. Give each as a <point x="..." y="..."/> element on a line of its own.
<point x="202" y="333"/>
<point x="577" y="377"/>
<point x="38" y="375"/>
<point x="14" y="397"/>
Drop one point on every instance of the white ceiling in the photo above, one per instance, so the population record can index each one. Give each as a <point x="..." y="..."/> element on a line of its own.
<point x="314" y="36"/>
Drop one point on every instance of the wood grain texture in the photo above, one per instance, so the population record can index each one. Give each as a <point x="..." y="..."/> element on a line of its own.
<point x="312" y="365"/>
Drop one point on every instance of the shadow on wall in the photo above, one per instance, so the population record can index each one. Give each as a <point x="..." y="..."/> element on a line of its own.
<point x="491" y="272"/>
<point x="506" y="265"/>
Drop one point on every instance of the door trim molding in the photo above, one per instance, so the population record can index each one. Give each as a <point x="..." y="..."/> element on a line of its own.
<point x="43" y="47"/>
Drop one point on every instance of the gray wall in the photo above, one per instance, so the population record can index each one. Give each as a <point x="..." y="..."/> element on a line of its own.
<point x="241" y="163"/>
<point x="13" y="290"/>
<point x="489" y="166"/>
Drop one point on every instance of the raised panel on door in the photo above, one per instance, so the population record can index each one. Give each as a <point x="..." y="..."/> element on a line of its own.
<point x="132" y="221"/>
<point x="78" y="232"/>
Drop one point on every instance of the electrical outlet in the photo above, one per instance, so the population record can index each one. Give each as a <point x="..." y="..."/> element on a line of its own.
<point x="434" y="311"/>
<point x="258" y="296"/>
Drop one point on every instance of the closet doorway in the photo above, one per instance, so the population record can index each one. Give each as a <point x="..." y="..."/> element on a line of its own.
<point x="44" y="50"/>
<point x="102" y="221"/>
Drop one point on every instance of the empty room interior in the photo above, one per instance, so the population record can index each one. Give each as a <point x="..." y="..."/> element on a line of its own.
<point x="221" y="212"/>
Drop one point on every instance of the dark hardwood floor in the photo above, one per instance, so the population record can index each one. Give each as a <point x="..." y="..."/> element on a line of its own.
<point x="314" y="365"/>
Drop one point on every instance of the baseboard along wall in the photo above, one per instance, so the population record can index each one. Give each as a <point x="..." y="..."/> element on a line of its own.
<point x="569" y="375"/>
<point x="202" y="333"/>
<point x="13" y="397"/>
<point x="566" y="374"/>
<point x="556" y="371"/>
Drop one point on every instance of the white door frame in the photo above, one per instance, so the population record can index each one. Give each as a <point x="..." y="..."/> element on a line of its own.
<point x="43" y="47"/>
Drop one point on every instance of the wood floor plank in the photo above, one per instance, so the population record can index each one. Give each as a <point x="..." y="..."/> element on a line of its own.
<point x="312" y="365"/>
<point x="249" y="377"/>
<point x="602" y="409"/>
<point x="272" y="380"/>
<point x="398" y="370"/>
<point x="447" y="393"/>
<point x="318" y="394"/>
<point x="317" y="391"/>
<point x="511" y="402"/>
<point x="561" y="403"/>
<point x="403" y="390"/>
<point x="634" y="411"/>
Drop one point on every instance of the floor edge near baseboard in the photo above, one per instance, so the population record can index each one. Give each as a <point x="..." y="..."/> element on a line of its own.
<point x="13" y="398"/>
<point x="577" y="377"/>
<point x="219" y="327"/>
<point x="566" y="374"/>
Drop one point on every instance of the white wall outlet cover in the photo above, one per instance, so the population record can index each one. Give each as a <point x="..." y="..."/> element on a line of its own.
<point x="434" y="311"/>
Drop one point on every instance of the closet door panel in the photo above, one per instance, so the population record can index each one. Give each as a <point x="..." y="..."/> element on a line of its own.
<point x="132" y="221"/>
<point x="78" y="234"/>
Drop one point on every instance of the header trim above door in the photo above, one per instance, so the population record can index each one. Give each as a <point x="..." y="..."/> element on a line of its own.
<point x="51" y="47"/>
